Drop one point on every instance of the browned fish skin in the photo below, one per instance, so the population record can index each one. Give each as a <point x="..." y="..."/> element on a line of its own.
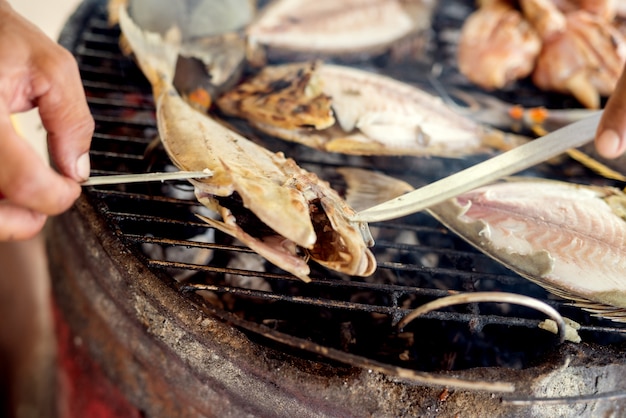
<point x="289" y="97"/>
<point x="295" y="204"/>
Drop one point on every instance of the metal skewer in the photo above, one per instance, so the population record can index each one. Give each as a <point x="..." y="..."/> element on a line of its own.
<point x="139" y="178"/>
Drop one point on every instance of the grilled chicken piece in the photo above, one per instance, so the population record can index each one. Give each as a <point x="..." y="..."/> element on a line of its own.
<point x="266" y="200"/>
<point x="605" y="9"/>
<point x="544" y="16"/>
<point x="570" y="46"/>
<point x="497" y="46"/>
<point x="584" y="60"/>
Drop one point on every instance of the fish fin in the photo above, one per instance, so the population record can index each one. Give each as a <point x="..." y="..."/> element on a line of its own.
<point x="155" y="55"/>
<point x="367" y="188"/>
<point x="277" y="253"/>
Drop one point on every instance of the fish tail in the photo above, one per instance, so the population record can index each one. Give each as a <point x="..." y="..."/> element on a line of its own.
<point x="155" y="55"/>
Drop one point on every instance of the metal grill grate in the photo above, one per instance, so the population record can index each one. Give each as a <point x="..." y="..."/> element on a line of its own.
<point x="419" y="260"/>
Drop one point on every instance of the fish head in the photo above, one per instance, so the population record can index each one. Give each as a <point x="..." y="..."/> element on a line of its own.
<point x="276" y="249"/>
<point x="342" y="245"/>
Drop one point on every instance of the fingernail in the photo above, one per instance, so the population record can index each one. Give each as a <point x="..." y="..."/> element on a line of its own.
<point x="83" y="167"/>
<point x="609" y="143"/>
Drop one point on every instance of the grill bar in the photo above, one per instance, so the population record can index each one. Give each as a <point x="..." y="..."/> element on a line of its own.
<point x="432" y="264"/>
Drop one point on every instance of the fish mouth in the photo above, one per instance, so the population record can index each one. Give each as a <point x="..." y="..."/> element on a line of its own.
<point x="329" y="249"/>
<point x="246" y="219"/>
<point x="325" y="245"/>
<point x="329" y="246"/>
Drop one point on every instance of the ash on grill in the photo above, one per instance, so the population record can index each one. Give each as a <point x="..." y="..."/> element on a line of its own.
<point x="419" y="260"/>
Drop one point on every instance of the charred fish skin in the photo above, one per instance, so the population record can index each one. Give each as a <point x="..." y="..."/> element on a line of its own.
<point x="346" y="110"/>
<point x="272" y="187"/>
<point x="288" y="97"/>
<point x="568" y="238"/>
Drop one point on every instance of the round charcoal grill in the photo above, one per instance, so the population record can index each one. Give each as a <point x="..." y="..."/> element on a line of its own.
<point x="187" y="322"/>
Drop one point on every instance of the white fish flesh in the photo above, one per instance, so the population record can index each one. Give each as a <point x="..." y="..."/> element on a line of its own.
<point x="568" y="238"/>
<point x="301" y="216"/>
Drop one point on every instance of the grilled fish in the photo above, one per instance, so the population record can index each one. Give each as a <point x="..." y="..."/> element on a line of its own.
<point x="567" y="238"/>
<point x="329" y="28"/>
<point x="301" y="217"/>
<point x="358" y="112"/>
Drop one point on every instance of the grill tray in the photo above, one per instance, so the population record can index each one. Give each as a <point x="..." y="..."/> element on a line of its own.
<point x="419" y="259"/>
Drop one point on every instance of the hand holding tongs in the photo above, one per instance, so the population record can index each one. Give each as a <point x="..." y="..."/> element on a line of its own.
<point x="518" y="159"/>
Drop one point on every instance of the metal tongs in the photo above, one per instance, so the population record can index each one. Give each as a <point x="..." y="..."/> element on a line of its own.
<point x="518" y="159"/>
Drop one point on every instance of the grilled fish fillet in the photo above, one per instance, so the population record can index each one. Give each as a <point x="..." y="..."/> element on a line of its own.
<point x="303" y="217"/>
<point x="568" y="238"/>
<point x="357" y="112"/>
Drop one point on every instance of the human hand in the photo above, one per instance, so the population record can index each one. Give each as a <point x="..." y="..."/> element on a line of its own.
<point x="37" y="72"/>
<point x="611" y="134"/>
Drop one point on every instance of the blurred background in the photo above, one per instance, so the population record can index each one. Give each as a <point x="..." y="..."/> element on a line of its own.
<point x="50" y="17"/>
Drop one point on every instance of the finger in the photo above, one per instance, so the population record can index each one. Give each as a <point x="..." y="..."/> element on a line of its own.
<point x="26" y="180"/>
<point x="17" y="223"/>
<point x="611" y="134"/>
<point x="65" y="114"/>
